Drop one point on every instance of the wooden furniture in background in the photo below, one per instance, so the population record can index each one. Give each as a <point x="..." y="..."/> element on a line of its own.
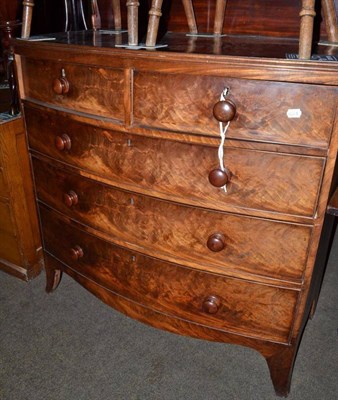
<point x="117" y="15"/>
<point x="73" y="12"/>
<point x="9" y="23"/>
<point x="20" y="247"/>
<point x="155" y="14"/>
<point x="219" y="16"/>
<point x="131" y="192"/>
<point x="27" y="18"/>
<point x="330" y="17"/>
<point x="96" y="17"/>
<point x="307" y="15"/>
<point x="243" y="17"/>
<point x="8" y="29"/>
<point x="249" y="17"/>
<point x="132" y="6"/>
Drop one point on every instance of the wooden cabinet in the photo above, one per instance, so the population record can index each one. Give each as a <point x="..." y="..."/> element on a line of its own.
<point x="136" y="205"/>
<point x="20" y="248"/>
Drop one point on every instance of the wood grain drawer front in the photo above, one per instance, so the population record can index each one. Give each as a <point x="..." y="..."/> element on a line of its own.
<point x="208" y="299"/>
<point x="265" y="111"/>
<point x="175" y="232"/>
<point x="179" y="171"/>
<point x="91" y="90"/>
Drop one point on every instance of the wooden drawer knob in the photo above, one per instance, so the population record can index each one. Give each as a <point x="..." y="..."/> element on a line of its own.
<point x="216" y="242"/>
<point x="63" y="142"/>
<point x="211" y="304"/>
<point x="70" y="198"/>
<point x="219" y="178"/>
<point x="61" y="85"/>
<point x="224" y="111"/>
<point x="76" y="253"/>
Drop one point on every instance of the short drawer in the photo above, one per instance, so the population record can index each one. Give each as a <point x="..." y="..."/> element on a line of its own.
<point x="276" y="112"/>
<point x="276" y="182"/>
<point x="209" y="299"/>
<point x="214" y="240"/>
<point x="89" y="89"/>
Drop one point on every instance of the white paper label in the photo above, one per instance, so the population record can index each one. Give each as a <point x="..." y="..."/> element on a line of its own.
<point x="294" y="113"/>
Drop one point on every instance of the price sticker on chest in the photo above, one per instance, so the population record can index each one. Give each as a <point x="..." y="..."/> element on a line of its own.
<point x="294" y="113"/>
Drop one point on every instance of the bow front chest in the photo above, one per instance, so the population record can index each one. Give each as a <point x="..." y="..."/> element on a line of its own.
<point x="187" y="191"/>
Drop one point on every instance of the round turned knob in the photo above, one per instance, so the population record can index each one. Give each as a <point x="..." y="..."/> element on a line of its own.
<point x="63" y="142"/>
<point x="76" y="253"/>
<point x="219" y="178"/>
<point x="61" y="85"/>
<point x="70" y="198"/>
<point x="224" y="111"/>
<point x="211" y="304"/>
<point x="216" y="242"/>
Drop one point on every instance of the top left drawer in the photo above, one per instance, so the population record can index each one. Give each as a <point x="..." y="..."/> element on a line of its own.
<point x="88" y="89"/>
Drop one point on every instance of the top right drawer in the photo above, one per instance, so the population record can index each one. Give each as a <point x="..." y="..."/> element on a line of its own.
<point x="272" y="112"/>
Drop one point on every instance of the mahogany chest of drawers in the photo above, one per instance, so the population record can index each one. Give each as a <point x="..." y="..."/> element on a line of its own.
<point x="136" y="205"/>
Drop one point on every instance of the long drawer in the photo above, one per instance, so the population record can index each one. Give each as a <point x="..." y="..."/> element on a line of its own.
<point x="259" y="180"/>
<point x="213" y="240"/>
<point x="209" y="299"/>
<point x="89" y="89"/>
<point x="274" y="112"/>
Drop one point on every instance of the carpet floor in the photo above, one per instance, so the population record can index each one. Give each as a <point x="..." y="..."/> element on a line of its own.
<point x="70" y="346"/>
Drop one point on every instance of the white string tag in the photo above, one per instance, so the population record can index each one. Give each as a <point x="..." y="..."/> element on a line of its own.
<point x="223" y="129"/>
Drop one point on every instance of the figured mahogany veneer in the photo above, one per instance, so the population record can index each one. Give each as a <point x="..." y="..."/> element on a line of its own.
<point x="180" y="171"/>
<point x="171" y="289"/>
<point x="131" y="190"/>
<point x="186" y="103"/>
<point x="175" y="232"/>
<point x="87" y="89"/>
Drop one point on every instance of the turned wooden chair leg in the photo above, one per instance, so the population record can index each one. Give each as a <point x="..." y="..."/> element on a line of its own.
<point x="132" y="6"/>
<point x="189" y="12"/>
<point x="153" y="22"/>
<point x="96" y="18"/>
<point x="117" y="15"/>
<point x="330" y="18"/>
<point x="155" y="14"/>
<point x="307" y="15"/>
<point x="27" y="18"/>
<point x="219" y="16"/>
